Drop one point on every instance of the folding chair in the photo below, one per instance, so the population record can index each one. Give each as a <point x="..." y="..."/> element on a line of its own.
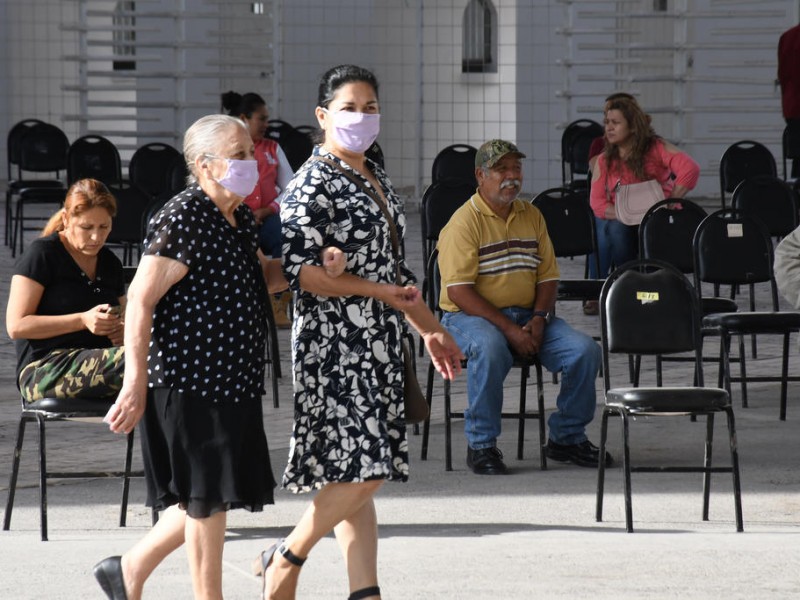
<point x="650" y="308"/>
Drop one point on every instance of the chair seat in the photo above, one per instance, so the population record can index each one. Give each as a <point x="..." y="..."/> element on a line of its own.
<point x="718" y="305"/>
<point x="43" y="194"/>
<point x="580" y="289"/>
<point x="668" y="399"/>
<point x="755" y="322"/>
<point x="72" y="407"/>
<point x="19" y="184"/>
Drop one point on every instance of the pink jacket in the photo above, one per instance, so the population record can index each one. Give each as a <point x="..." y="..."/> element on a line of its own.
<point x="668" y="168"/>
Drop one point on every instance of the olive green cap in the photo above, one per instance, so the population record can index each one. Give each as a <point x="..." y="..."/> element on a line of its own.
<point x="493" y="150"/>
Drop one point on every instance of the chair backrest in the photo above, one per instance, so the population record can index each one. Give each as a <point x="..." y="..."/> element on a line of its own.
<point x="439" y="202"/>
<point x="43" y="149"/>
<point x="296" y="145"/>
<point x="96" y="157"/>
<point x="434" y="280"/>
<point x="741" y="160"/>
<point x="375" y="153"/>
<point x="150" y="165"/>
<point x="570" y="221"/>
<point x="769" y="199"/>
<point x="132" y="201"/>
<point x="667" y="230"/>
<point x="575" y="142"/>
<point x="790" y="145"/>
<point x="455" y="163"/>
<point x="732" y="248"/>
<point x="648" y="307"/>
<point x="12" y="144"/>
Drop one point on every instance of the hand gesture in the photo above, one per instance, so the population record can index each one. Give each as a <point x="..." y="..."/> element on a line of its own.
<point x="334" y="261"/>
<point x="103" y="319"/>
<point x="444" y="352"/>
<point x="402" y="298"/>
<point x="125" y="413"/>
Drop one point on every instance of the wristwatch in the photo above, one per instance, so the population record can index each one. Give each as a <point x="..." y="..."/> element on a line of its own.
<point x="545" y="314"/>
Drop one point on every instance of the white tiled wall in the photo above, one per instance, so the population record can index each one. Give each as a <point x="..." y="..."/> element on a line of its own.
<point x="414" y="48"/>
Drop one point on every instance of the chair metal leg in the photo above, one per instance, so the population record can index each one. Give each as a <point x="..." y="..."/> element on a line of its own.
<point x="626" y="468"/>
<point x="708" y="456"/>
<point x="448" y="448"/>
<point x="601" y="466"/>
<point x="743" y="371"/>
<point x="737" y="487"/>
<point x="540" y="408"/>
<point x="42" y="478"/>
<point x="12" y="482"/>
<point x="784" y="375"/>
<point x="126" y="481"/>
<point x="523" y="396"/>
<point x="426" y="426"/>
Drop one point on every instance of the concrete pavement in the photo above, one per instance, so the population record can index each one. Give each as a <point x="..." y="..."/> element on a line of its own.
<point x="530" y="534"/>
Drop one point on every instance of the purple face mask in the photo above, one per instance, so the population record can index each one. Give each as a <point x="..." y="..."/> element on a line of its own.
<point x="355" y="131"/>
<point x="241" y="176"/>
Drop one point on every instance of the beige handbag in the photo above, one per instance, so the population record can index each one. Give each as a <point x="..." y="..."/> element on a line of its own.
<point x="634" y="199"/>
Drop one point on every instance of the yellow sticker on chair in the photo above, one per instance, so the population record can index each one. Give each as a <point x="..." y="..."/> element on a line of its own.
<point x="647" y="297"/>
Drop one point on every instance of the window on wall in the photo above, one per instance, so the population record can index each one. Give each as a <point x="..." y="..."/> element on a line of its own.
<point x="479" y="47"/>
<point x="124" y="36"/>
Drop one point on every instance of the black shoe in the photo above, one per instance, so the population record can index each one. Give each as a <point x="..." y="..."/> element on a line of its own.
<point x="585" y="454"/>
<point x="486" y="461"/>
<point x="108" y="573"/>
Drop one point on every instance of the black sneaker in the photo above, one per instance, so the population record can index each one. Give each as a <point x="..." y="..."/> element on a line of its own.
<point x="585" y="454"/>
<point x="486" y="461"/>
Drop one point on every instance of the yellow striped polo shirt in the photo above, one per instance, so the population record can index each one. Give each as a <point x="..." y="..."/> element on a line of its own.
<point x="504" y="260"/>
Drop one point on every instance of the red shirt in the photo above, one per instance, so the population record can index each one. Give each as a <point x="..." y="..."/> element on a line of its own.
<point x="789" y="72"/>
<point x="266" y="152"/>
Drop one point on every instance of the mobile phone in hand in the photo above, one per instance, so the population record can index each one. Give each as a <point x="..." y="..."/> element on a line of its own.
<point x="114" y="310"/>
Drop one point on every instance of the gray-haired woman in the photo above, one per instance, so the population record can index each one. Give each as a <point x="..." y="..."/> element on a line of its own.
<point x="194" y="337"/>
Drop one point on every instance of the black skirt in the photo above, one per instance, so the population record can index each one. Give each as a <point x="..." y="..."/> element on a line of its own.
<point x="205" y="456"/>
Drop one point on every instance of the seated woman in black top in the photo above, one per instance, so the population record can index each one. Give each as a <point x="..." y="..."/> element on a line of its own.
<point x="66" y="302"/>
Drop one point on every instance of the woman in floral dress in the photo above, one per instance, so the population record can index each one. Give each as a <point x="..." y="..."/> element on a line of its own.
<point x="349" y="433"/>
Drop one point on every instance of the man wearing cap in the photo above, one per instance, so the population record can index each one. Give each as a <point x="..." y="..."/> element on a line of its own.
<point x="499" y="280"/>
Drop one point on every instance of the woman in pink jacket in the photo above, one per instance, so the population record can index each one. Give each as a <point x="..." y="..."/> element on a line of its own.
<point x="633" y="153"/>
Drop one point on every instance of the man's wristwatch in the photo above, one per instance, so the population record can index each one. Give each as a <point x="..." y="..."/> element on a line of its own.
<point x="545" y="314"/>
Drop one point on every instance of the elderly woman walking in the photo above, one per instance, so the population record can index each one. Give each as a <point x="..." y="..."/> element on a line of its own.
<point x="194" y="340"/>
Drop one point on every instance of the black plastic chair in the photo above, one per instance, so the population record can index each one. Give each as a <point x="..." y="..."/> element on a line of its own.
<point x="439" y="202"/>
<point x="15" y="175"/>
<point x="375" y="153"/>
<point x="575" y="143"/>
<point x="42" y="148"/>
<point x="769" y="199"/>
<point x="150" y="166"/>
<point x="731" y="248"/>
<point x="666" y="233"/>
<point x="96" y="157"/>
<point x="790" y="150"/>
<point x="455" y="163"/>
<point x="570" y="225"/>
<point x="523" y="363"/>
<point x="742" y="160"/>
<point x="650" y="308"/>
<point x="126" y="229"/>
<point x="69" y="409"/>
<point x="296" y="145"/>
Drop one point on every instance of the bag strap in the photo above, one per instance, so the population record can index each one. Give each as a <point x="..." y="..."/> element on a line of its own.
<point x="379" y="201"/>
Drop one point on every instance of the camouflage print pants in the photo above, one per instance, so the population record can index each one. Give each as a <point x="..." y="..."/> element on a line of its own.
<point x="67" y="373"/>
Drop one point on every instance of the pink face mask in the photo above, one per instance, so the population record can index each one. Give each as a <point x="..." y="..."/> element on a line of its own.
<point x="241" y="176"/>
<point x="355" y="131"/>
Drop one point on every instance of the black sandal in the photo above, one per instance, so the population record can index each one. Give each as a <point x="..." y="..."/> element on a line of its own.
<point x="365" y="593"/>
<point x="264" y="560"/>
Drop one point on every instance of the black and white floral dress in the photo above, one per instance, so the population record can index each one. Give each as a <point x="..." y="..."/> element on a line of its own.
<point x="346" y="352"/>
